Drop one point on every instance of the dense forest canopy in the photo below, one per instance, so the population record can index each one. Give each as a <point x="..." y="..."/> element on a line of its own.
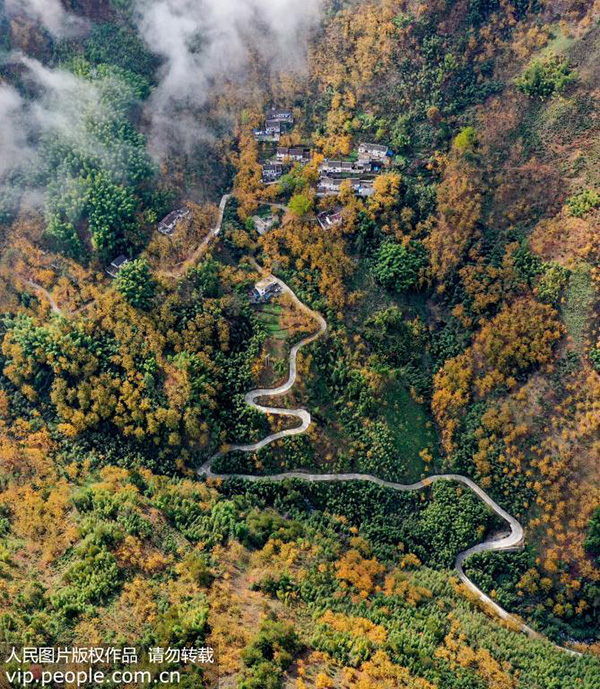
<point x="456" y="265"/>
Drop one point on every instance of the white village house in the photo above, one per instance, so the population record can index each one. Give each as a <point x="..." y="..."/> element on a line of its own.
<point x="377" y="152"/>
<point x="300" y="154"/>
<point x="263" y="225"/>
<point x="280" y="115"/>
<point x="271" y="172"/>
<point x="328" y="186"/>
<point x="115" y="267"/>
<point x="277" y="122"/>
<point x="332" y="167"/>
<point x="168" y="224"/>
<point x="273" y="128"/>
<point x="270" y="132"/>
<point x="265" y="290"/>
<point x="363" y="187"/>
<point x="329" y="219"/>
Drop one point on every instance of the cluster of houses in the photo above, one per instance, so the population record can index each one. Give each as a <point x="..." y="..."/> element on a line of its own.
<point x="278" y="121"/>
<point x="360" y="173"/>
<point x="274" y="169"/>
<point x="372" y="158"/>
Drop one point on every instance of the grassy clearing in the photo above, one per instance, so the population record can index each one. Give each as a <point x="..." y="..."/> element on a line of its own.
<point x="558" y="44"/>
<point x="375" y="299"/>
<point x="578" y="304"/>
<point x="411" y="428"/>
<point x="269" y="315"/>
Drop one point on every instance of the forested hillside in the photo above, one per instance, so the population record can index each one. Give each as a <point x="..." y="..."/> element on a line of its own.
<point x="456" y="266"/>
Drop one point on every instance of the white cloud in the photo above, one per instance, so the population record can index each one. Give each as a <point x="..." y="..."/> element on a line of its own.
<point x="204" y="42"/>
<point x="50" y="13"/>
<point x="13" y="131"/>
<point x="206" y="39"/>
<point x="63" y="105"/>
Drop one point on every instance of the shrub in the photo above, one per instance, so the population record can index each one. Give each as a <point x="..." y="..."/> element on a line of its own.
<point x="398" y="267"/>
<point x="276" y="643"/>
<point x="552" y="282"/>
<point x="595" y="358"/>
<point x="263" y="525"/>
<point x="136" y="284"/>
<point x="91" y="580"/>
<point x="583" y="202"/>
<point x="543" y="78"/>
<point x="184" y="624"/>
<point x="269" y="655"/>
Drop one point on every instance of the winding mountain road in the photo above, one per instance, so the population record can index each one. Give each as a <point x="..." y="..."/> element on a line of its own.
<point x="251" y="397"/>
<point x="512" y="541"/>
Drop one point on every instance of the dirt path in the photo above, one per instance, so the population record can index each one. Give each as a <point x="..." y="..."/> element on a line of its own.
<point x="49" y="298"/>
<point x="193" y="258"/>
<point x="53" y="305"/>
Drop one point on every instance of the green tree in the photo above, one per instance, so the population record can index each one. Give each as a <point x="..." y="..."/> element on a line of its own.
<point x="543" y="78"/>
<point x="397" y="267"/>
<point x="136" y="284"/>
<point x="592" y="542"/>
<point x="300" y="205"/>
<point x="581" y="203"/>
<point x="466" y="139"/>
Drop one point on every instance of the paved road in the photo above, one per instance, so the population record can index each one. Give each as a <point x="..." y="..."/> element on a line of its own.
<point x="302" y="414"/>
<point x="53" y="305"/>
<point x="513" y="540"/>
<point x="251" y="397"/>
<point x="222" y="206"/>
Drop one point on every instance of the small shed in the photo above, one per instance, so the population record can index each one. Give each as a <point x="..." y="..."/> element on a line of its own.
<point x="115" y="267"/>
<point x="263" y="225"/>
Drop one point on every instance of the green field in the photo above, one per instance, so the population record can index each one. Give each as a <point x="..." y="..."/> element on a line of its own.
<point x="411" y="428"/>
